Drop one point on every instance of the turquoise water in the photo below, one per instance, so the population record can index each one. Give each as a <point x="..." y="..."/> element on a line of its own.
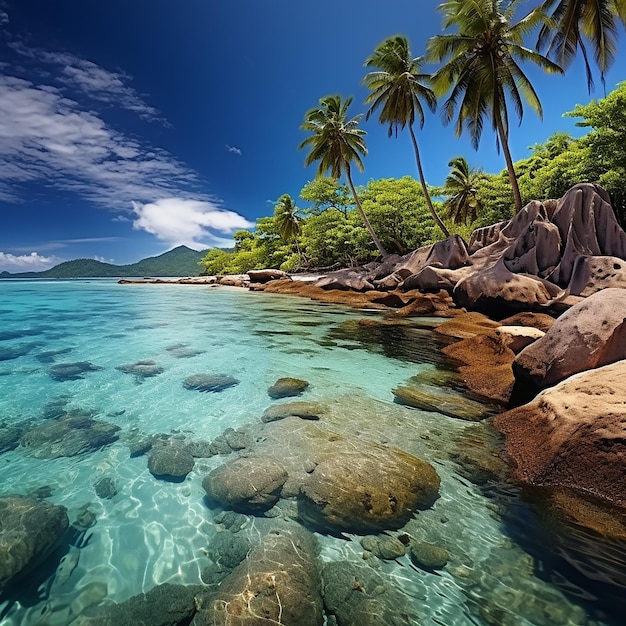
<point x="154" y="531"/>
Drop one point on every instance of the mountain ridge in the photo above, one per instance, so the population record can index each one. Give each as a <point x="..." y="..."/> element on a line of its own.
<point x="180" y="261"/>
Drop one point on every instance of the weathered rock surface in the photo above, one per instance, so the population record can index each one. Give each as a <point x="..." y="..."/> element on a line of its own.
<point x="278" y="583"/>
<point x="141" y="370"/>
<point x="371" y="489"/>
<point x="248" y="484"/>
<point x="428" y="556"/>
<point x="572" y="435"/>
<point x="30" y="529"/>
<point x="383" y="546"/>
<point x="264" y="276"/>
<point x="304" y="410"/>
<point x="71" y="371"/>
<point x="357" y="594"/>
<point x="287" y="387"/>
<point x="163" y="605"/>
<point x="590" y="334"/>
<point x="209" y="382"/>
<point x="170" y="459"/>
<point x="68" y="436"/>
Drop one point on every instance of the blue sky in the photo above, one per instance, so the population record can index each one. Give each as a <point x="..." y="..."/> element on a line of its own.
<point x="130" y="127"/>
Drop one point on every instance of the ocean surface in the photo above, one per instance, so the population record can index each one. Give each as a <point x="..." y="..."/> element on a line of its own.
<point x="503" y="567"/>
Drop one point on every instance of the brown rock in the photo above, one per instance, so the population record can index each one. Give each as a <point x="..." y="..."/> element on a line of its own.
<point x="287" y="387"/>
<point x="277" y="583"/>
<point x="248" y="484"/>
<point x="573" y="435"/>
<point x="486" y="368"/>
<point x="367" y="491"/>
<point x="466" y="325"/>
<point x="590" y="334"/>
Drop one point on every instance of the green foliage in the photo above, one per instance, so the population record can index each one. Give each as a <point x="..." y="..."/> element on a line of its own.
<point x="325" y="192"/>
<point x="399" y="213"/>
<point x="584" y="24"/>
<point x="482" y="69"/>
<point x="461" y="188"/>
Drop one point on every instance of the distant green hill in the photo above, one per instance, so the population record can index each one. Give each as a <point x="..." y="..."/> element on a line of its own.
<point x="181" y="261"/>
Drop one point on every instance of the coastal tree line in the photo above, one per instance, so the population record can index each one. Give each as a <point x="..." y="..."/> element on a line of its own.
<point x="481" y="78"/>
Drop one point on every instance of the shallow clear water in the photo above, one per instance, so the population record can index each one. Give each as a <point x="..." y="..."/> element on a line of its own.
<point x="154" y="531"/>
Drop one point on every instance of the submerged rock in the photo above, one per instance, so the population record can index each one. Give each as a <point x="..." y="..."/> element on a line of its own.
<point x="249" y="484"/>
<point x="303" y="410"/>
<point x="163" y="605"/>
<point x="170" y="459"/>
<point x="278" y="583"/>
<point x="383" y="546"/>
<point x="68" y="436"/>
<point x="356" y="594"/>
<point x="141" y="370"/>
<point x="367" y="490"/>
<point x="427" y="555"/>
<point x="287" y="387"/>
<point x="105" y="488"/>
<point x="209" y="382"/>
<point x="71" y="371"/>
<point x="183" y="351"/>
<point x="30" y="529"/>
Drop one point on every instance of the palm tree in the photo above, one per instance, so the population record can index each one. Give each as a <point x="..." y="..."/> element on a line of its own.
<point x="578" y="23"/>
<point x="481" y="67"/>
<point x="461" y="188"/>
<point x="287" y="220"/>
<point x="398" y="89"/>
<point x="336" y="143"/>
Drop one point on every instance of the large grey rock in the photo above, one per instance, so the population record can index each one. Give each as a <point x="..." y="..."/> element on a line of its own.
<point x="209" y="382"/>
<point x="163" y="605"/>
<point x="248" y="484"/>
<point x="30" y="529"/>
<point x="278" y="583"/>
<point x="593" y="273"/>
<point x="357" y="595"/>
<point x="591" y="334"/>
<point x="170" y="459"/>
<point x="70" y="435"/>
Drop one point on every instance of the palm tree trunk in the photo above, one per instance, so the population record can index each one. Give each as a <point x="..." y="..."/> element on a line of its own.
<point x="366" y="222"/>
<point x="504" y="141"/>
<point x="420" y="171"/>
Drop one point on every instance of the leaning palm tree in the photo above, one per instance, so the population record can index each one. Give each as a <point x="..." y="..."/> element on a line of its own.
<point x="578" y="24"/>
<point x="461" y="187"/>
<point x="397" y="89"/>
<point x="482" y="67"/>
<point x="336" y="143"/>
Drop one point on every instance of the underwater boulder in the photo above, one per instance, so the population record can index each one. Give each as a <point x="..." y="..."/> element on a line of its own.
<point x="356" y="594"/>
<point x="278" y="583"/>
<point x="248" y="484"/>
<point x="69" y="435"/>
<point x="209" y="382"/>
<point x="303" y="410"/>
<point x="287" y="387"/>
<point x="163" y="605"/>
<point x="71" y="371"/>
<point x="373" y="489"/>
<point x="141" y="370"/>
<point x="170" y="460"/>
<point x="31" y="530"/>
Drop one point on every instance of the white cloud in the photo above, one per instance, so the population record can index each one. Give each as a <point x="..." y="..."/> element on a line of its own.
<point x="91" y="79"/>
<point x="233" y="149"/>
<point x="47" y="137"/>
<point x="32" y="262"/>
<point x="189" y="222"/>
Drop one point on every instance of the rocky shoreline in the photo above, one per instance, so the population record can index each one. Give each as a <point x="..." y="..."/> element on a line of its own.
<point x="535" y="301"/>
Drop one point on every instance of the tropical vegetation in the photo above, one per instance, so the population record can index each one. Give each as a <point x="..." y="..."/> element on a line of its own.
<point x="482" y="81"/>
